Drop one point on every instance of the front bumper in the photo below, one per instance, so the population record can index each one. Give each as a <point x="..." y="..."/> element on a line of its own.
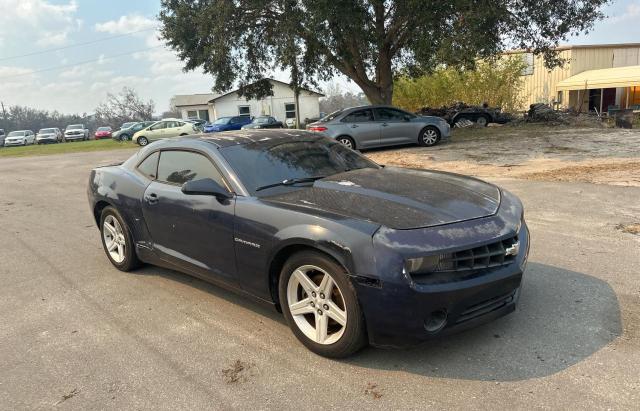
<point x="9" y="143"/>
<point x="400" y="314"/>
<point x="48" y="139"/>
<point x="74" y="137"/>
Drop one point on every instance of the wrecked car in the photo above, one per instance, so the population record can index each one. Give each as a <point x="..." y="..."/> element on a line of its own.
<point x="351" y="252"/>
<point x="463" y="115"/>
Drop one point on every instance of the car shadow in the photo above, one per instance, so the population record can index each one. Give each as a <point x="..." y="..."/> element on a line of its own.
<point x="562" y="318"/>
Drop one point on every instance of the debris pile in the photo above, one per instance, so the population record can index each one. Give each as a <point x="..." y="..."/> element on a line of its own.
<point x="544" y="113"/>
<point x="460" y="114"/>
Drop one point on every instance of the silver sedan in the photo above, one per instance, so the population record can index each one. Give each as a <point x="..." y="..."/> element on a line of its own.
<point x="376" y="126"/>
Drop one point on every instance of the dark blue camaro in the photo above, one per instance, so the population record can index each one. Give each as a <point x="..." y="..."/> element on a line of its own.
<point x="351" y="252"/>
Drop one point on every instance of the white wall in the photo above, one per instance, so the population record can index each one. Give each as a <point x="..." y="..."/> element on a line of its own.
<point x="272" y="105"/>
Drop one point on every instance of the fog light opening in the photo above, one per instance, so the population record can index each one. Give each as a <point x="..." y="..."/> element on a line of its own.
<point x="436" y="321"/>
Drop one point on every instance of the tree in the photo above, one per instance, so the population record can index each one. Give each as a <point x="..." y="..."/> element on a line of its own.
<point x="369" y="41"/>
<point x="123" y="107"/>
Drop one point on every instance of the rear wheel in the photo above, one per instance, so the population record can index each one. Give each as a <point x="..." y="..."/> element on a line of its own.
<point x="482" y="121"/>
<point x="117" y="240"/>
<point x="429" y="136"/>
<point x="142" y="141"/>
<point x="124" y="137"/>
<point x="347" y="142"/>
<point x="320" y="305"/>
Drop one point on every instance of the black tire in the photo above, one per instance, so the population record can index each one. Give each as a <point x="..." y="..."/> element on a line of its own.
<point x="482" y="121"/>
<point x="124" y="137"/>
<point x="354" y="336"/>
<point x="131" y="260"/>
<point x="347" y="142"/>
<point x="142" y="141"/>
<point x="429" y="136"/>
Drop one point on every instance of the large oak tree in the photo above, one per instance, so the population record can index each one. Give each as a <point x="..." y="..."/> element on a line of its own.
<point x="369" y="41"/>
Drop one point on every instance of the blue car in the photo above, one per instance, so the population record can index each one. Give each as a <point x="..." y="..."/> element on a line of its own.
<point x="227" y="123"/>
<point x="350" y="252"/>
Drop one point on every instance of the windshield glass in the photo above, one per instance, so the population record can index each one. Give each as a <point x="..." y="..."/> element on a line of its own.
<point x="75" y="127"/>
<point x="259" y="165"/>
<point x="331" y="116"/>
<point x="222" y="120"/>
<point x="16" y="134"/>
<point x="47" y="131"/>
<point x="104" y="128"/>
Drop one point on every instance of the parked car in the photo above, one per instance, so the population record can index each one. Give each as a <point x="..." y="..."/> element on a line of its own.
<point x="102" y="132"/>
<point x="128" y="124"/>
<point x="76" y="132"/>
<point x="164" y="129"/>
<point x="263" y="122"/>
<point x="376" y="126"/>
<point x="19" y="138"/>
<point x="198" y="123"/>
<point x="227" y="123"/>
<point x="2" y="136"/>
<point x="125" y="134"/>
<point x="49" y="135"/>
<point x="295" y="220"/>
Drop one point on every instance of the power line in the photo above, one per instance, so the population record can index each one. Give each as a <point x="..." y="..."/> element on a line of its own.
<point x="79" y="63"/>
<point x="35" y="53"/>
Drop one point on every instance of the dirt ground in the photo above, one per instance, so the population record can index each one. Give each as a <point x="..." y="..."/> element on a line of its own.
<point x="542" y="153"/>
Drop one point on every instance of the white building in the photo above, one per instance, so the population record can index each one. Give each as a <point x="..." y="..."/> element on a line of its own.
<point x="280" y="105"/>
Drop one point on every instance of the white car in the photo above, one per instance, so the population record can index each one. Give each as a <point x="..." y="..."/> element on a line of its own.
<point x="49" y="135"/>
<point x="76" y="132"/>
<point x="19" y="138"/>
<point x="167" y="128"/>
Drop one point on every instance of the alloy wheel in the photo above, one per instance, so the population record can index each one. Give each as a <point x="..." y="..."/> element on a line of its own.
<point x="143" y="141"/>
<point x="430" y="137"/>
<point x="114" y="238"/>
<point x="316" y="304"/>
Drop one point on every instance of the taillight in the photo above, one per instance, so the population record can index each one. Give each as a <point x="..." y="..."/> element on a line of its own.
<point x="317" y="128"/>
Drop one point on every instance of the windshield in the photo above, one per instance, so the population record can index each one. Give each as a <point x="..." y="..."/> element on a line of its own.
<point x="75" y="127"/>
<point x="47" y="131"/>
<point x="16" y="134"/>
<point x="261" y="120"/>
<point x="127" y="125"/>
<point x="331" y="116"/>
<point x="104" y="128"/>
<point x="259" y="165"/>
<point x="222" y="120"/>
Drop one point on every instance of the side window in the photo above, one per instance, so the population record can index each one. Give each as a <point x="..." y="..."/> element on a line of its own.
<point x="389" y="114"/>
<point x="359" y="116"/>
<point x="159" y="126"/>
<point x="150" y="165"/>
<point x="178" y="167"/>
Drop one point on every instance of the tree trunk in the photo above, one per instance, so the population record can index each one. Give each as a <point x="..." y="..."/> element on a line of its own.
<point x="382" y="95"/>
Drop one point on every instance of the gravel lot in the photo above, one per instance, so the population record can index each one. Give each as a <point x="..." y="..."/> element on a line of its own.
<point x="77" y="334"/>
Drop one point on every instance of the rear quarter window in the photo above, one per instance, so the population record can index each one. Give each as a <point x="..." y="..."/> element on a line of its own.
<point x="149" y="165"/>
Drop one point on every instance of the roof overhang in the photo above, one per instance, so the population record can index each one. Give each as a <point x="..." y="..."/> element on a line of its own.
<point x="604" y="78"/>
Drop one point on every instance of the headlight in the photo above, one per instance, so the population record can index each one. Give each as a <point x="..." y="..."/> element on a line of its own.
<point x="422" y="265"/>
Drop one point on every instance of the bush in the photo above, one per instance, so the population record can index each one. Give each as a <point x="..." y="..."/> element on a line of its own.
<point x="497" y="83"/>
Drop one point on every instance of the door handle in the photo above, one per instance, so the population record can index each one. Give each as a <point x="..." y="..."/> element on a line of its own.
<point x="152" y="198"/>
<point x="354" y="126"/>
<point x="384" y="124"/>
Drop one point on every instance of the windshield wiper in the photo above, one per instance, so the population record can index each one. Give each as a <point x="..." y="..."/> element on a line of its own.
<point x="290" y="181"/>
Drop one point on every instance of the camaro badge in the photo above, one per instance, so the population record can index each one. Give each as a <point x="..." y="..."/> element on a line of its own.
<point x="513" y="250"/>
<point x="245" y="242"/>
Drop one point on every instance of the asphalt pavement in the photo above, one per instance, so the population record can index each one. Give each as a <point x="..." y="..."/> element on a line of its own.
<point x="75" y="333"/>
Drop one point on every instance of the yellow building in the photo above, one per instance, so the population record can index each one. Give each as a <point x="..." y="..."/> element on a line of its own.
<point x="595" y="77"/>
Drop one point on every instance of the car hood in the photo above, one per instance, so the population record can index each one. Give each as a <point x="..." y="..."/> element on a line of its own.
<point x="397" y="198"/>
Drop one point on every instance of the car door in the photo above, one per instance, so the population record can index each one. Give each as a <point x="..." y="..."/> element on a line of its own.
<point x="397" y="127"/>
<point x="157" y="131"/>
<point x="360" y="125"/>
<point x="192" y="231"/>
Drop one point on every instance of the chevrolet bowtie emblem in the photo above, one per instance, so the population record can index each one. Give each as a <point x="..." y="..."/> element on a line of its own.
<point x="512" y="250"/>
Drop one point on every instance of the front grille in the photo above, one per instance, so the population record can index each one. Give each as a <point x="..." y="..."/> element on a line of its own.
<point x="486" y="256"/>
<point x="486" y="307"/>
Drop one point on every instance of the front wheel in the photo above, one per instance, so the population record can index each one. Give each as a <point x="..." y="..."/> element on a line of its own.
<point x="124" y="137"/>
<point x="320" y="305"/>
<point x="429" y="136"/>
<point x="117" y="240"/>
<point x="142" y="141"/>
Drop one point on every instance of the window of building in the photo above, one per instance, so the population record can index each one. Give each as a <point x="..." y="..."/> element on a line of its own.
<point x="289" y="110"/>
<point x="178" y="167"/>
<point x="529" y="61"/>
<point x="244" y="111"/>
<point x="192" y="114"/>
<point x="203" y="115"/>
<point x="559" y="97"/>
<point x="150" y="165"/>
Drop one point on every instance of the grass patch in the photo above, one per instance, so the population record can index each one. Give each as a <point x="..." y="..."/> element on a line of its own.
<point x="60" y="148"/>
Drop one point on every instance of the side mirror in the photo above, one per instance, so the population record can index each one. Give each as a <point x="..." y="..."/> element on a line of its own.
<point x="207" y="187"/>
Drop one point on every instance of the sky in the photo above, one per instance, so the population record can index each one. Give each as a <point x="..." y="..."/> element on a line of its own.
<point x="66" y="55"/>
